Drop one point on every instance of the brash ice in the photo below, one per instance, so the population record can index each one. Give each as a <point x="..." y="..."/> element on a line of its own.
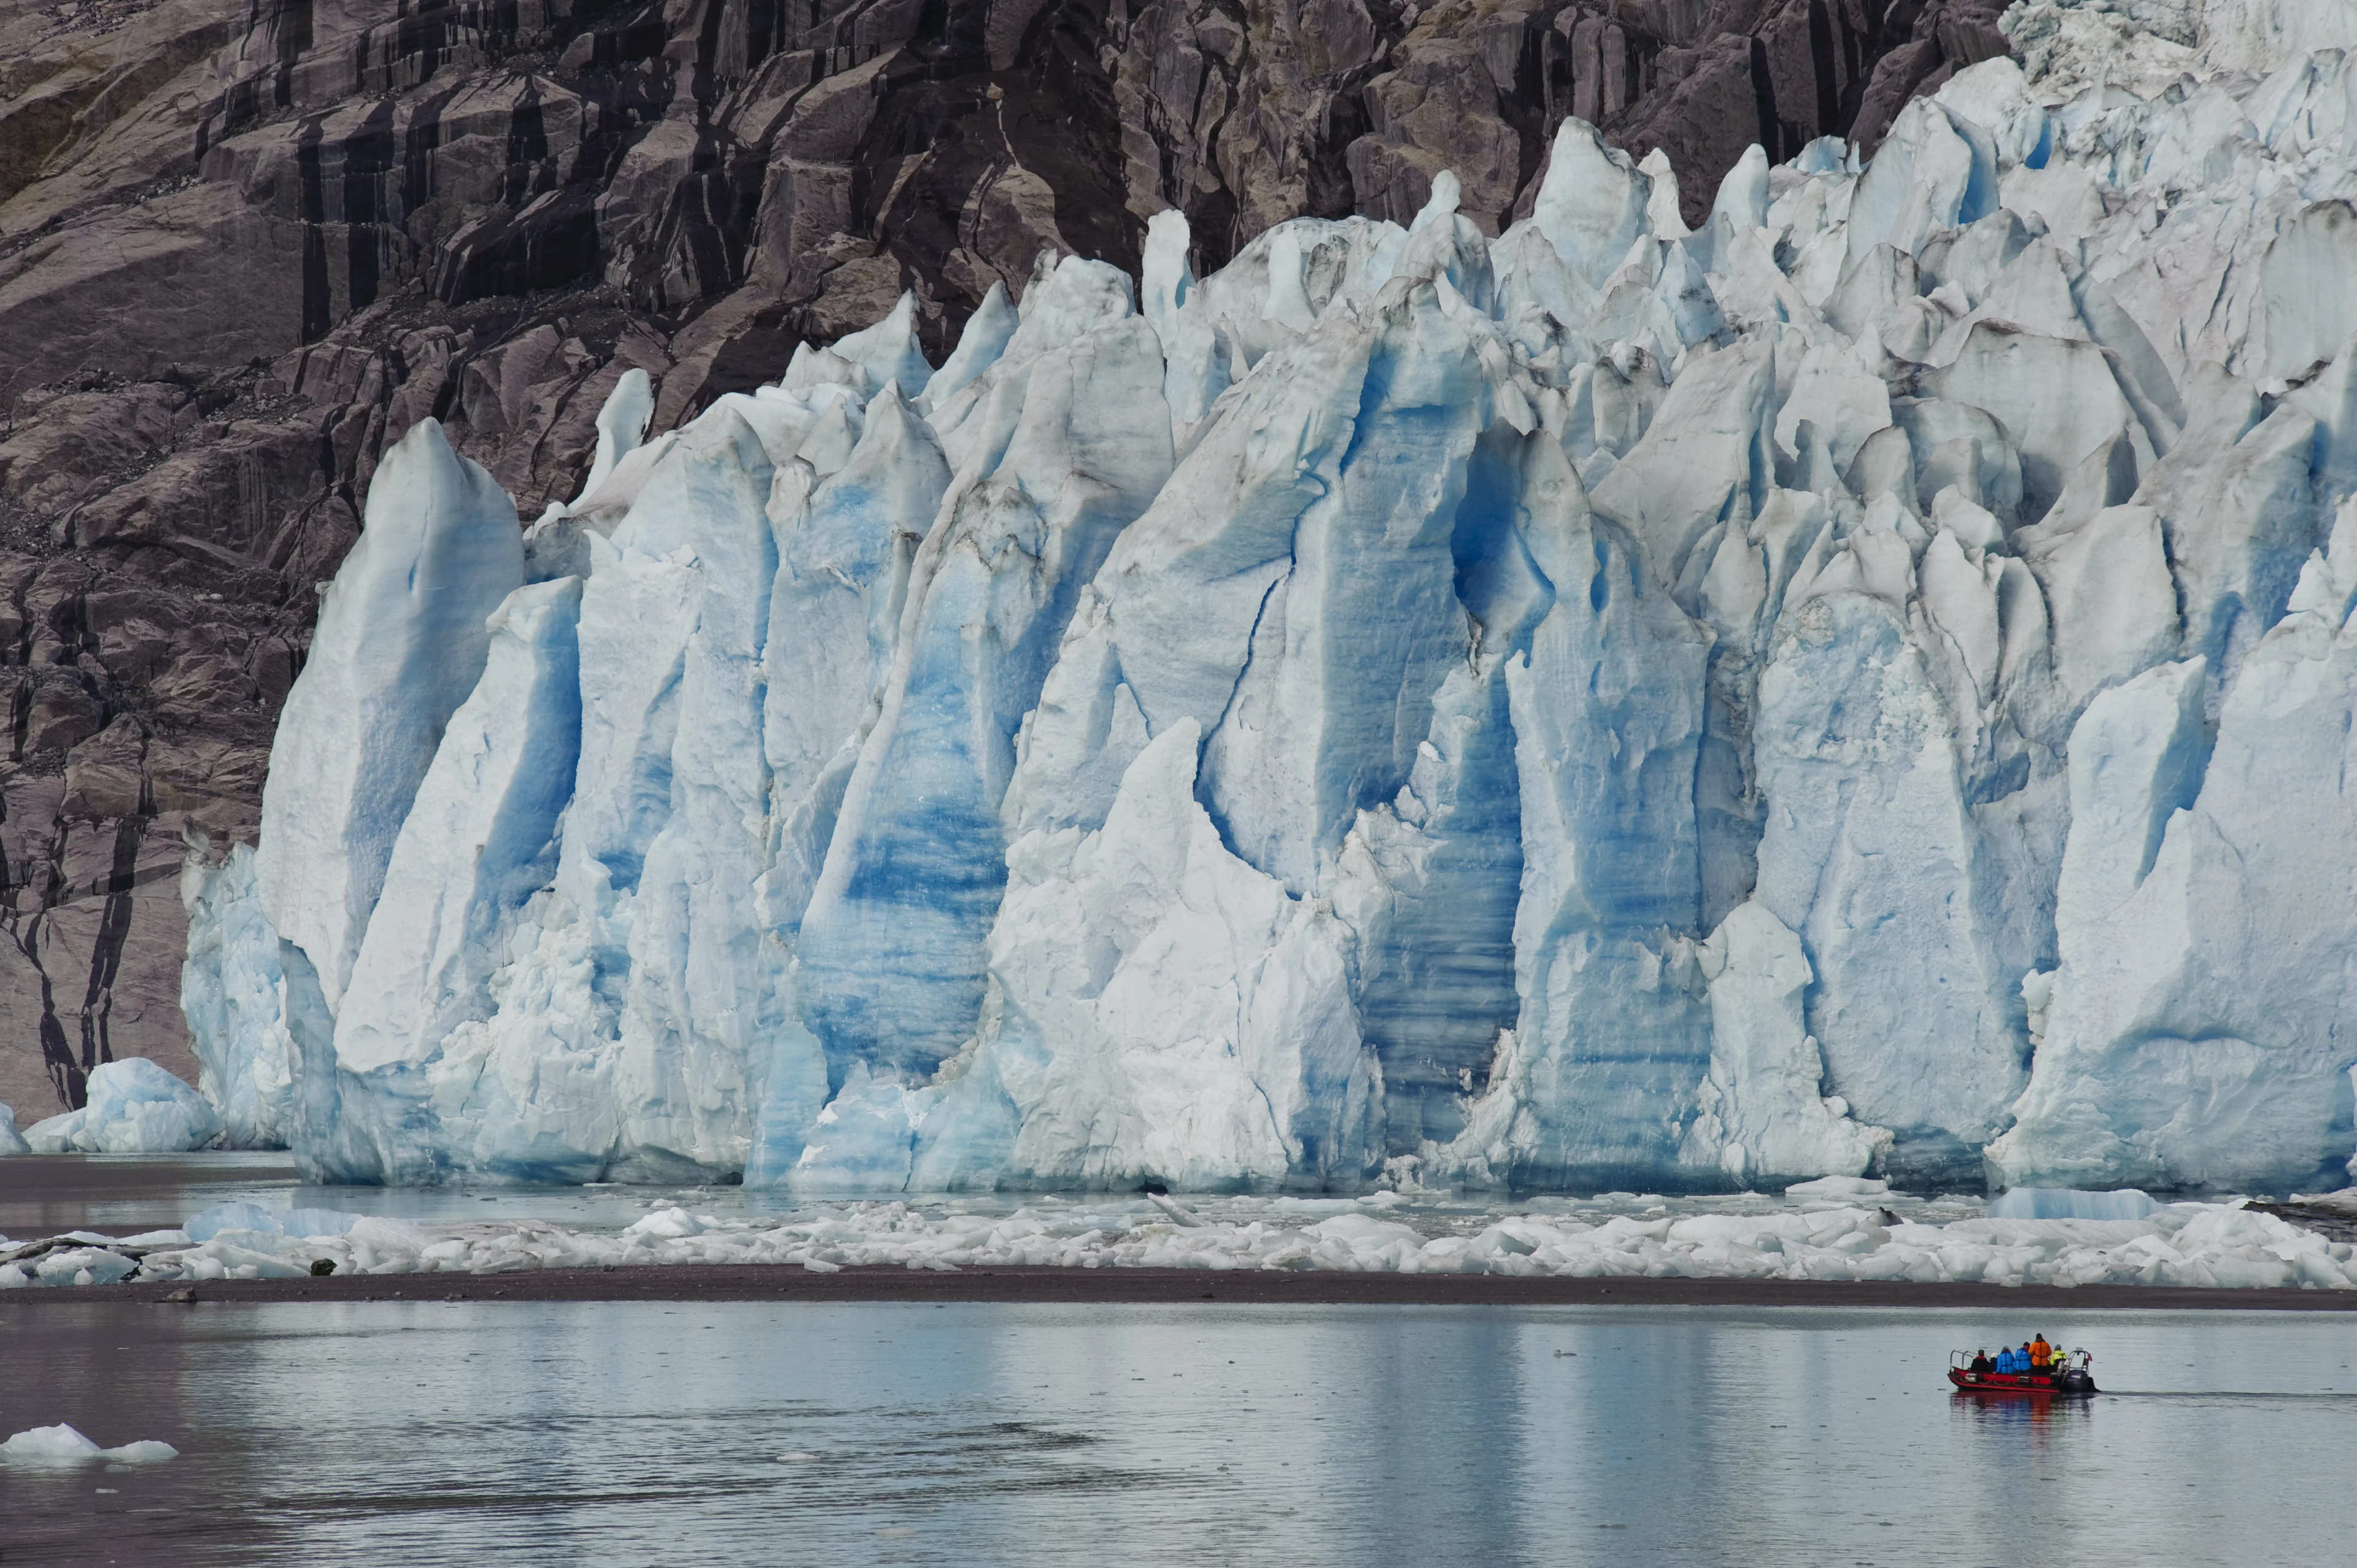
<point x="1865" y="684"/>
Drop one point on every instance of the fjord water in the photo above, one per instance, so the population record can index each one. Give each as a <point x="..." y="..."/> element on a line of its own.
<point x="431" y="1433"/>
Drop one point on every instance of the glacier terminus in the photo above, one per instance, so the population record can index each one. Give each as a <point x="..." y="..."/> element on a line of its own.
<point x="1864" y="686"/>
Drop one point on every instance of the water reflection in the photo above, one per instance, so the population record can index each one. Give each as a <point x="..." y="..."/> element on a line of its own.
<point x="2040" y="1419"/>
<point x="639" y="1433"/>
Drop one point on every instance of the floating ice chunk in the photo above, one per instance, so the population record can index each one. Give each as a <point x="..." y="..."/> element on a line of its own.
<point x="49" y="1444"/>
<point x="666" y="1224"/>
<point x="299" y="1223"/>
<point x="307" y="1222"/>
<point x="203" y="1227"/>
<point x="1852" y="1186"/>
<point x="12" y="1142"/>
<point x="134" y="1108"/>
<point x="62" y="1444"/>
<point x="2067" y="1203"/>
<point x="148" y="1451"/>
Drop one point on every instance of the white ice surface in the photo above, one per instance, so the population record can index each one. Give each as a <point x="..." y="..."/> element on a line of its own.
<point x="1863" y="686"/>
<point x="399" y="643"/>
<point x="232" y="995"/>
<point x="62" y="1444"/>
<point x="1813" y="1233"/>
<point x="134" y="1108"/>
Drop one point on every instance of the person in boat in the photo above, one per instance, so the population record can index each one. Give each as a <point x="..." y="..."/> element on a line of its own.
<point x="2041" y="1355"/>
<point x="1981" y="1362"/>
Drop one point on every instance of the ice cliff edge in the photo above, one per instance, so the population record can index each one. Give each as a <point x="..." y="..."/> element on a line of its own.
<point x="1865" y="683"/>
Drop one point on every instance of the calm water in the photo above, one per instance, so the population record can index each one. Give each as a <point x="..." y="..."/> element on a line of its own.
<point x="637" y="1433"/>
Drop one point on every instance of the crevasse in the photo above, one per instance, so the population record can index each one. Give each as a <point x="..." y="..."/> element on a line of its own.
<point x="1866" y="684"/>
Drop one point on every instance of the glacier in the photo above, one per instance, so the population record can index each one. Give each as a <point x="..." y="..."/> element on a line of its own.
<point x="1861" y="686"/>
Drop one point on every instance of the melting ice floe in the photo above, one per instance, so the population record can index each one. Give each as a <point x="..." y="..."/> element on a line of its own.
<point x="61" y="1444"/>
<point x="1865" y="684"/>
<point x="1840" y="1233"/>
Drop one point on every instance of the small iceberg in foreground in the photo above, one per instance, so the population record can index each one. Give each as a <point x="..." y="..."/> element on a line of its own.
<point x="62" y="1444"/>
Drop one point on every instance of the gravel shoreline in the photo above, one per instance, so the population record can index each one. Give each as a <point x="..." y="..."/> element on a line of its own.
<point x="1273" y="1287"/>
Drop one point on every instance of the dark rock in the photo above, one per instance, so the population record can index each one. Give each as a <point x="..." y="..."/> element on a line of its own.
<point x="243" y="248"/>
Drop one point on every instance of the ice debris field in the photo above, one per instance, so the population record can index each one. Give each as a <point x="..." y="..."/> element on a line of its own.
<point x="1835" y="1229"/>
<point x="1865" y="686"/>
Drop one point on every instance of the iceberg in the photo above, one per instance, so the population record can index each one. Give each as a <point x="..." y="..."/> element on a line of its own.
<point x="1856" y="692"/>
<point x="134" y="1108"/>
<point x="300" y="1223"/>
<point x="63" y="1444"/>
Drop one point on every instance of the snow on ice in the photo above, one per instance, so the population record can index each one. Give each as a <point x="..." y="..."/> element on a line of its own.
<point x="1862" y="686"/>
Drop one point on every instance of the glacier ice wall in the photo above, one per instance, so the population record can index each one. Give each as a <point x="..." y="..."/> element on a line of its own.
<point x="1864" y="684"/>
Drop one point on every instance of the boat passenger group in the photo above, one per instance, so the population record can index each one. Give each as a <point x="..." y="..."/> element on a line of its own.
<point x="2036" y="1358"/>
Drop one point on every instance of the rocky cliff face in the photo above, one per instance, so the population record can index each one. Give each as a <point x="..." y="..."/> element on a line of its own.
<point x="244" y="246"/>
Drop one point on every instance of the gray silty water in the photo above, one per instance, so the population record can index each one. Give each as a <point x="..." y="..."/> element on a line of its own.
<point x="646" y="1432"/>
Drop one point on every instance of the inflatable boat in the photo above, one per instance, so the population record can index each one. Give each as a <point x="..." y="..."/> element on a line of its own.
<point x="2072" y="1375"/>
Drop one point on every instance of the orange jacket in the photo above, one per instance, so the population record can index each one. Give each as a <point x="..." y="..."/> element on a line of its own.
<point x="2041" y="1355"/>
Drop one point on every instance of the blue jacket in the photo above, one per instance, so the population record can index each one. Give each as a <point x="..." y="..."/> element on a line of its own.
<point x="2009" y="1360"/>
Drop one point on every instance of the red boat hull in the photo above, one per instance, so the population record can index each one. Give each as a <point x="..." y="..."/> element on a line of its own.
<point x="2012" y="1383"/>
